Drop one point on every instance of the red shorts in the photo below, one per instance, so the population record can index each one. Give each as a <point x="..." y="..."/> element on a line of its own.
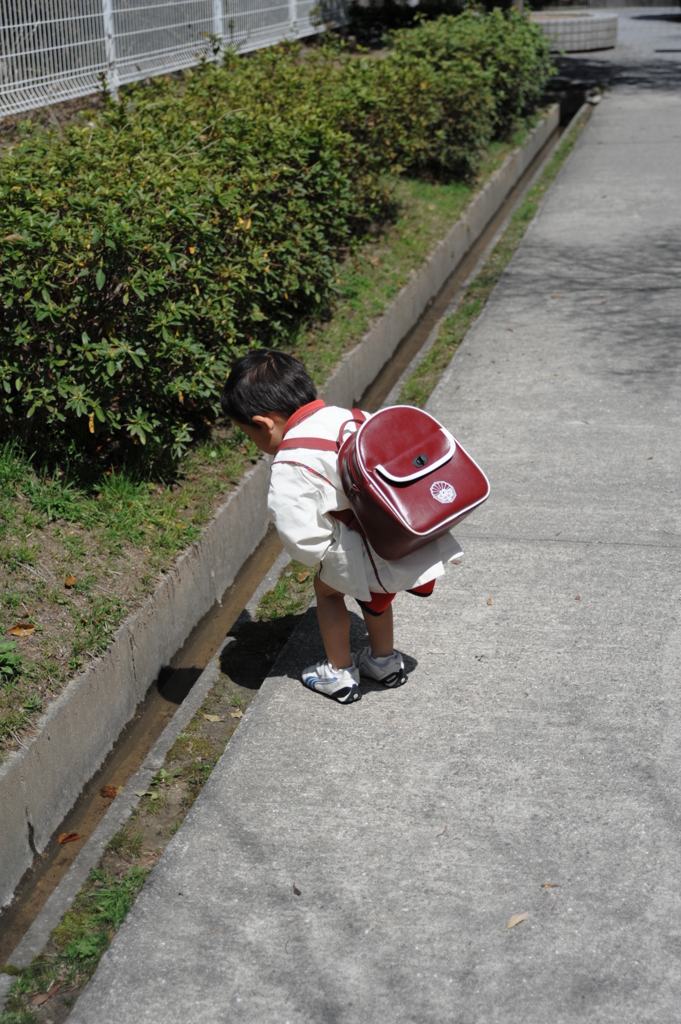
<point x="379" y="602"/>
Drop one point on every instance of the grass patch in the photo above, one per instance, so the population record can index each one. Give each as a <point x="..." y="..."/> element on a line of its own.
<point x="77" y="944"/>
<point x="419" y="387"/>
<point x="291" y="594"/>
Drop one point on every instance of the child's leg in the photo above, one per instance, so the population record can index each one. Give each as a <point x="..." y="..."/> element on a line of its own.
<point x="334" y="623"/>
<point x="380" y="630"/>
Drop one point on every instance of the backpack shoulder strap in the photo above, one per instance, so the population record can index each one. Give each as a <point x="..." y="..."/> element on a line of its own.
<point x="320" y="444"/>
<point x="317" y="443"/>
<point x="357" y="417"/>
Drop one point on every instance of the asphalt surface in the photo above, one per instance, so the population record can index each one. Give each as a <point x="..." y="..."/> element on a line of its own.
<point x="537" y="740"/>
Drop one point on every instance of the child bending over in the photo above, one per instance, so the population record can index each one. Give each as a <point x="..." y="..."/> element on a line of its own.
<point x="270" y="396"/>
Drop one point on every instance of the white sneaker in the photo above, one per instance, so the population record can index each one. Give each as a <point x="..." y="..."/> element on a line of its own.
<point x="389" y="670"/>
<point x="342" y="683"/>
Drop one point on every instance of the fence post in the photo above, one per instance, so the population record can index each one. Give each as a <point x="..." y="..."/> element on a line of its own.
<point x="110" y="42"/>
<point x="292" y="16"/>
<point x="217" y="25"/>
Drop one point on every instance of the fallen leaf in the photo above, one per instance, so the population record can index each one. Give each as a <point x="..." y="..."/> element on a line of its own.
<point x="550" y="885"/>
<point x="110" y="792"/>
<point x="489" y="600"/>
<point x="39" y="1000"/>
<point x="69" y="837"/>
<point x="192" y="249"/>
<point x="70" y="581"/>
<point x="296" y="890"/>
<point x="302" y="576"/>
<point x="236" y="714"/>
<point x="517" y="919"/>
<point x="578" y="598"/>
<point x="212" y="718"/>
<point x="21" y="630"/>
<point x="14" y="238"/>
<point x="557" y="296"/>
<point x="145" y="792"/>
<point x="650" y="457"/>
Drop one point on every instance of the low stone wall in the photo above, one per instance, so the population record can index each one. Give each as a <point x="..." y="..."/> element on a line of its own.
<point x="40" y="783"/>
<point x="575" y="33"/>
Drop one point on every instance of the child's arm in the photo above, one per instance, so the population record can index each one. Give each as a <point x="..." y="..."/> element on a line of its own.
<point x="297" y="500"/>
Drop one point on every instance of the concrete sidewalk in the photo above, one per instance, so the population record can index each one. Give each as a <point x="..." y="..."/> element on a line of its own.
<point x="537" y="741"/>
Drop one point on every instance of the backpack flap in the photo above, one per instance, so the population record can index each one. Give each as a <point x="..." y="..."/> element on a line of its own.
<point x="419" y="458"/>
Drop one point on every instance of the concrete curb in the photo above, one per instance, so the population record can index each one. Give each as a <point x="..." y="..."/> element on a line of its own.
<point x="396" y="390"/>
<point x="40" y="783"/>
<point x="362" y="365"/>
<point x="120" y="810"/>
<point x="37" y="936"/>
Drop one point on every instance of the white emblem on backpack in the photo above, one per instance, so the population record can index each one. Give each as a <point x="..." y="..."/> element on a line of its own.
<point x="443" y="492"/>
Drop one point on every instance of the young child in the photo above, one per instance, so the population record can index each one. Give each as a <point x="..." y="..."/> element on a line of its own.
<point x="270" y="395"/>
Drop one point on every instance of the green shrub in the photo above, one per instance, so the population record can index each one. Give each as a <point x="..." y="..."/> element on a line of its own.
<point x="143" y="249"/>
<point x="404" y="113"/>
<point x="506" y="44"/>
<point x="418" y="117"/>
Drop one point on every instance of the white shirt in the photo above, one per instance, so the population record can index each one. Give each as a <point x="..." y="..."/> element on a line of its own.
<point x="305" y="486"/>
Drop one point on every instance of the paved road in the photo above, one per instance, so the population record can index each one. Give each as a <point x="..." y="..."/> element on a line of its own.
<point x="648" y="51"/>
<point x="537" y="741"/>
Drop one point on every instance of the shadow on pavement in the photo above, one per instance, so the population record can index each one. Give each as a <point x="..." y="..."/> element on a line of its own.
<point x="656" y="74"/>
<point x="667" y="16"/>
<point x="637" y="325"/>
<point x="250" y="658"/>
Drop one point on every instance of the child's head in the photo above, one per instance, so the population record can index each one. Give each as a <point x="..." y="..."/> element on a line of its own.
<point x="263" y="390"/>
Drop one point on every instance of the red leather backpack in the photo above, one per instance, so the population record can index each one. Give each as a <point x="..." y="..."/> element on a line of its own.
<point x="407" y="479"/>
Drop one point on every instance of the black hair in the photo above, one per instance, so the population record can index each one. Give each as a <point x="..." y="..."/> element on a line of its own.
<point x="266" y="381"/>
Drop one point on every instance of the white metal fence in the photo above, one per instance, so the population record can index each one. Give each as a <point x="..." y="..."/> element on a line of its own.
<point x="53" y="50"/>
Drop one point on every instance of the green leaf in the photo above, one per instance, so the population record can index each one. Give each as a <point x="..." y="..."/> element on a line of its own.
<point x="100" y="278"/>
